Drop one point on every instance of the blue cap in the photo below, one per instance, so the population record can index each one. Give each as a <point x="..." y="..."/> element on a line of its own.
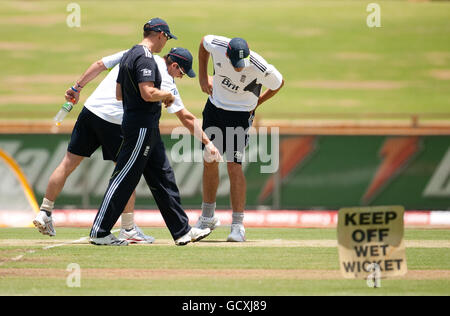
<point x="158" y="25"/>
<point x="184" y="59"/>
<point x="238" y="52"/>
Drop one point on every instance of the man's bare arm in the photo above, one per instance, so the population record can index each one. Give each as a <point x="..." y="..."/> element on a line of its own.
<point x="90" y="74"/>
<point x="268" y="94"/>
<point x="151" y="94"/>
<point x="192" y="124"/>
<point x="204" y="79"/>
<point x="118" y="92"/>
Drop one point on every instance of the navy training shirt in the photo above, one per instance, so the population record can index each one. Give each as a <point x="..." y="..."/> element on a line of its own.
<point x="137" y="66"/>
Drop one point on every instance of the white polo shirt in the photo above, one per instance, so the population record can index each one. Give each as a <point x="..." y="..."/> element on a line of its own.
<point x="238" y="91"/>
<point x="103" y="103"/>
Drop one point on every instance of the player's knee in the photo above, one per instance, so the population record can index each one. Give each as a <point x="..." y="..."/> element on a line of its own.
<point x="234" y="168"/>
<point x="70" y="162"/>
<point x="210" y="165"/>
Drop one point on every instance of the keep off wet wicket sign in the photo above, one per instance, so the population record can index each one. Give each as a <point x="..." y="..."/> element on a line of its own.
<point x="368" y="236"/>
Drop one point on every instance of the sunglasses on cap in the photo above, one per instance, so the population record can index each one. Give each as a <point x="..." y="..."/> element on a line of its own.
<point x="180" y="69"/>
<point x="166" y="35"/>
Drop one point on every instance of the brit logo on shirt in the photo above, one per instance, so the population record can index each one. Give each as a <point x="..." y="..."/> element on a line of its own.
<point x="243" y="77"/>
<point x="146" y="72"/>
<point x="229" y="85"/>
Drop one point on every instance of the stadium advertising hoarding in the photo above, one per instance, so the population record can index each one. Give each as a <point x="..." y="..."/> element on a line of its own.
<point x="312" y="172"/>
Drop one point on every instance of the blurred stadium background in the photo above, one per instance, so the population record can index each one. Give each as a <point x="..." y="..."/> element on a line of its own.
<point x="364" y="117"/>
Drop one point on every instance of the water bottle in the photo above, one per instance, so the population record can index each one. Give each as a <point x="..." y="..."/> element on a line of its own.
<point x="65" y="109"/>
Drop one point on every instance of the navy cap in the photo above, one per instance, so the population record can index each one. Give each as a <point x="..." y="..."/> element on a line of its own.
<point x="184" y="59"/>
<point x="238" y="52"/>
<point x="158" y="25"/>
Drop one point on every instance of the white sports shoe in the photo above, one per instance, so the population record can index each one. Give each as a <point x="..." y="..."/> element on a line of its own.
<point x="208" y="222"/>
<point x="109" y="240"/>
<point x="135" y="236"/>
<point x="237" y="233"/>
<point x="44" y="224"/>
<point x="195" y="234"/>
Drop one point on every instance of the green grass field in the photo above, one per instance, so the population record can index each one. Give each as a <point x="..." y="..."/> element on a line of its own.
<point x="334" y="66"/>
<point x="275" y="261"/>
<point x="333" y="63"/>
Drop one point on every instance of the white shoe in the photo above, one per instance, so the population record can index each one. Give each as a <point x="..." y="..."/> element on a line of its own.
<point x="208" y="222"/>
<point x="109" y="240"/>
<point x="237" y="233"/>
<point x="195" y="234"/>
<point x="135" y="236"/>
<point x="44" y="224"/>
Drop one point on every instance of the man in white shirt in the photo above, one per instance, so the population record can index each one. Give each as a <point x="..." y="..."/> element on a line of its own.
<point x="99" y="124"/>
<point x="234" y="93"/>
